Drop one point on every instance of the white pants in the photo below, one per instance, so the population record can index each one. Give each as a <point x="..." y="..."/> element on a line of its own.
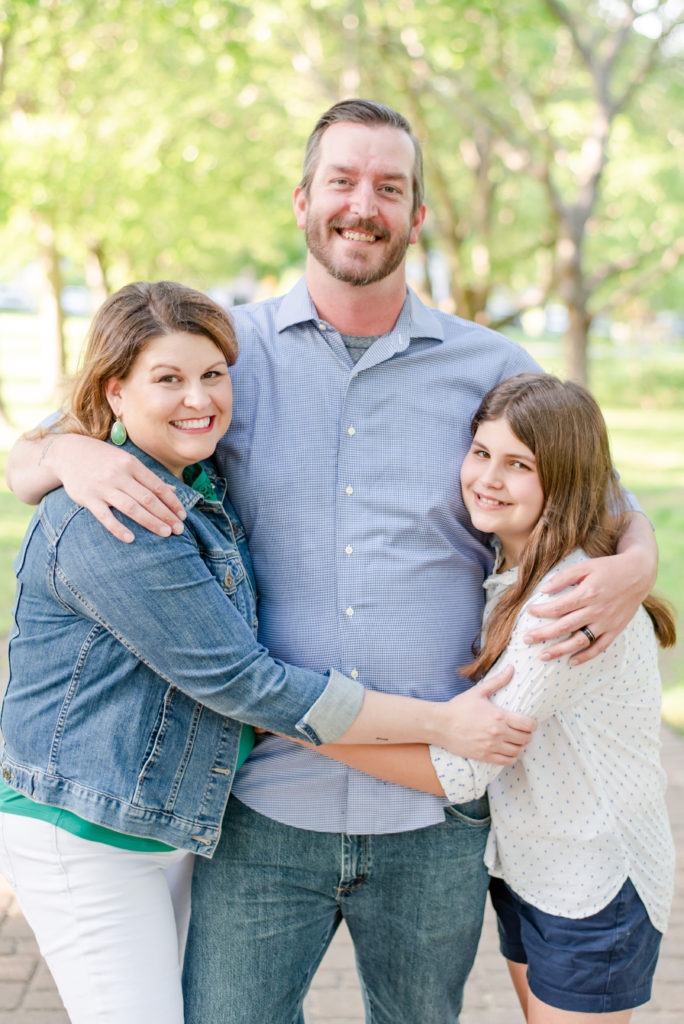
<point x="110" y="923"/>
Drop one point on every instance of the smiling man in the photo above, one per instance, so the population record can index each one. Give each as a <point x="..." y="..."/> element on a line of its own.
<point x="353" y="404"/>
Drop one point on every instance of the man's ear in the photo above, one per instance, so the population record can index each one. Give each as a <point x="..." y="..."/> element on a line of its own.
<point x="299" y="202"/>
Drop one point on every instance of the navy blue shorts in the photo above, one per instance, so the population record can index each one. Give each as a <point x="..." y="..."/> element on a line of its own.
<point x="598" y="964"/>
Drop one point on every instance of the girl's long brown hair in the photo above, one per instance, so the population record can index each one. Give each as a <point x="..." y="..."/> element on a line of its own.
<point x="584" y="506"/>
<point x="123" y="325"/>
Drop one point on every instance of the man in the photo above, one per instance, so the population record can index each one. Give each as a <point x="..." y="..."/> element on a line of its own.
<point x="352" y="410"/>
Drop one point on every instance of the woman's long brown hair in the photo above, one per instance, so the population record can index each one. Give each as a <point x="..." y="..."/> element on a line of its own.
<point x="584" y="506"/>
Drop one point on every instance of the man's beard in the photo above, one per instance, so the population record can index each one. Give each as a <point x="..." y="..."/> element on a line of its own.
<point x="317" y="242"/>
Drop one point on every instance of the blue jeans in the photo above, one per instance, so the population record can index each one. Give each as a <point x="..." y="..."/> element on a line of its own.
<point x="265" y="909"/>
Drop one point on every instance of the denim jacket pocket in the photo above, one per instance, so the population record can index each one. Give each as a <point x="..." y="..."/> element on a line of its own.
<point x="229" y="570"/>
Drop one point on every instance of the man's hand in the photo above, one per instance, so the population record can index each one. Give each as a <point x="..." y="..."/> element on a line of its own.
<point x="482" y="730"/>
<point x="100" y="478"/>
<point x="601" y="595"/>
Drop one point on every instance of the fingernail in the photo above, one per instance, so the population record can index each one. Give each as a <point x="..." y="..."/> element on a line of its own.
<point x="178" y="528"/>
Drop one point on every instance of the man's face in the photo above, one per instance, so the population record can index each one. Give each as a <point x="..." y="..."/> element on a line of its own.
<point x="358" y="212"/>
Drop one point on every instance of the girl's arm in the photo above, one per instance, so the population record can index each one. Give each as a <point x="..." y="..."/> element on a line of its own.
<point x="407" y="764"/>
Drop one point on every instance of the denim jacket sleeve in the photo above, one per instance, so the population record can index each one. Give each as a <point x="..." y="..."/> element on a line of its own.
<point x="157" y="597"/>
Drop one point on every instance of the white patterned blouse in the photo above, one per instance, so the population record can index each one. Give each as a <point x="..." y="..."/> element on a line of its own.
<point x="584" y="807"/>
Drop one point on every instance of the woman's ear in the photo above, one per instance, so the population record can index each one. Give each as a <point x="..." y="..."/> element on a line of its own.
<point x="113" y="389"/>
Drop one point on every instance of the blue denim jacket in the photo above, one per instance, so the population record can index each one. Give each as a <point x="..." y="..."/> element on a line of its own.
<point x="124" y="660"/>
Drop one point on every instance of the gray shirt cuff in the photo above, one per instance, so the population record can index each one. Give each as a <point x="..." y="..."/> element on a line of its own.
<point x="334" y="711"/>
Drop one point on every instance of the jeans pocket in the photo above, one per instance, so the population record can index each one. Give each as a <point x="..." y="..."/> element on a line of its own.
<point x="473" y="812"/>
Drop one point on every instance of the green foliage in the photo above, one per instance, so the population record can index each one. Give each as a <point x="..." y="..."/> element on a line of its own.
<point x="165" y="136"/>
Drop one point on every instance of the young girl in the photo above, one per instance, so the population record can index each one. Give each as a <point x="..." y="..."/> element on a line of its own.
<point x="580" y="852"/>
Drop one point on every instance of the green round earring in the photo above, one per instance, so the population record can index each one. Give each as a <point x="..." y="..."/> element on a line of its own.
<point x="118" y="433"/>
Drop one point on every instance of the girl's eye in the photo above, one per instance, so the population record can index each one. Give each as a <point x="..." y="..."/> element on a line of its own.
<point x="480" y="454"/>
<point x="168" y="378"/>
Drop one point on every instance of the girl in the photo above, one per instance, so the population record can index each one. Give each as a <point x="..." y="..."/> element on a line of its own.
<point x="580" y="852"/>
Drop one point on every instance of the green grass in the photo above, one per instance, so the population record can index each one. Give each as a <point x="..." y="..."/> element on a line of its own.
<point x="642" y="398"/>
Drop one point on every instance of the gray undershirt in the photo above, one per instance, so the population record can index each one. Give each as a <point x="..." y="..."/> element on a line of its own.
<point x="357" y="346"/>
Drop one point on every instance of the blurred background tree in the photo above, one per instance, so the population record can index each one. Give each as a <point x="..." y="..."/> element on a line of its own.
<point x="162" y="138"/>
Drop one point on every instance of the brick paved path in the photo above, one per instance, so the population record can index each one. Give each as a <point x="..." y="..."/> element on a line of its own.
<point x="28" y="996"/>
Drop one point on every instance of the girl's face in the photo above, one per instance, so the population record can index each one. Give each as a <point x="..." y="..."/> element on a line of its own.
<point x="177" y="400"/>
<point x="501" y="487"/>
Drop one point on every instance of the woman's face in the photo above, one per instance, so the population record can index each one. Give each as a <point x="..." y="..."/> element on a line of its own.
<point x="177" y="401"/>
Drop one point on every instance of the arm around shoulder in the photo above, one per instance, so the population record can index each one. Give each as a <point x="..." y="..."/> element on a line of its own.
<point x="98" y="476"/>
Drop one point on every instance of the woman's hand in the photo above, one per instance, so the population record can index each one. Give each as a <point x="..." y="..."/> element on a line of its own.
<point x="483" y="731"/>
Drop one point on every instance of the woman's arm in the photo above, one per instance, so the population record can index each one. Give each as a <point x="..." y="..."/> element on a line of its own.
<point x="538" y="688"/>
<point x="159" y="600"/>
<point x="97" y="476"/>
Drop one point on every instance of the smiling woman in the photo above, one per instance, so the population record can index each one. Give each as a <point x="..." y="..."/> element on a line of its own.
<point x="176" y="401"/>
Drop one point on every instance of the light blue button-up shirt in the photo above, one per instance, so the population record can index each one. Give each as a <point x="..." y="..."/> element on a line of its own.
<point x="346" y="478"/>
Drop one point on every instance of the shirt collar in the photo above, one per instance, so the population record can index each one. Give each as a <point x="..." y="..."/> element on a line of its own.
<point x="497" y="582"/>
<point x="416" y="320"/>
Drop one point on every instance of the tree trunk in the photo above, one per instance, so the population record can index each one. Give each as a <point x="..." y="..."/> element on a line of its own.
<point x="572" y="290"/>
<point x="576" y="345"/>
<point x="52" y="315"/>
<point x="96" y="273"/>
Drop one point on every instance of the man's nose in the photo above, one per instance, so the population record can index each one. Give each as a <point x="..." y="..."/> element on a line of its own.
<point x="364" y="201"/>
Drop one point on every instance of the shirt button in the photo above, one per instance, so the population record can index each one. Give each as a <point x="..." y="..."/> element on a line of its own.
<point x="354" y="673"/>
<point x="351" y="431"/>
<point x="322" y="326"/>
<point x="349" y="490"/>
<point x="348" y="550"/>
<point x="349" y="612"/>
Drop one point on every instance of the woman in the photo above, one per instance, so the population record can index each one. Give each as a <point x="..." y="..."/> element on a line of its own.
<point x="580" y="849"/>
<point x="124" y="659"/>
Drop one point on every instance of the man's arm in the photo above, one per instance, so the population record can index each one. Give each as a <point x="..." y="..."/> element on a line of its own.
<point x="97" y="476"/>
<point x="605" y="595"/>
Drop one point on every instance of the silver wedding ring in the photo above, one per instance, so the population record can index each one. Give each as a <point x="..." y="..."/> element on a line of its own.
<point x="588" y="633"/>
